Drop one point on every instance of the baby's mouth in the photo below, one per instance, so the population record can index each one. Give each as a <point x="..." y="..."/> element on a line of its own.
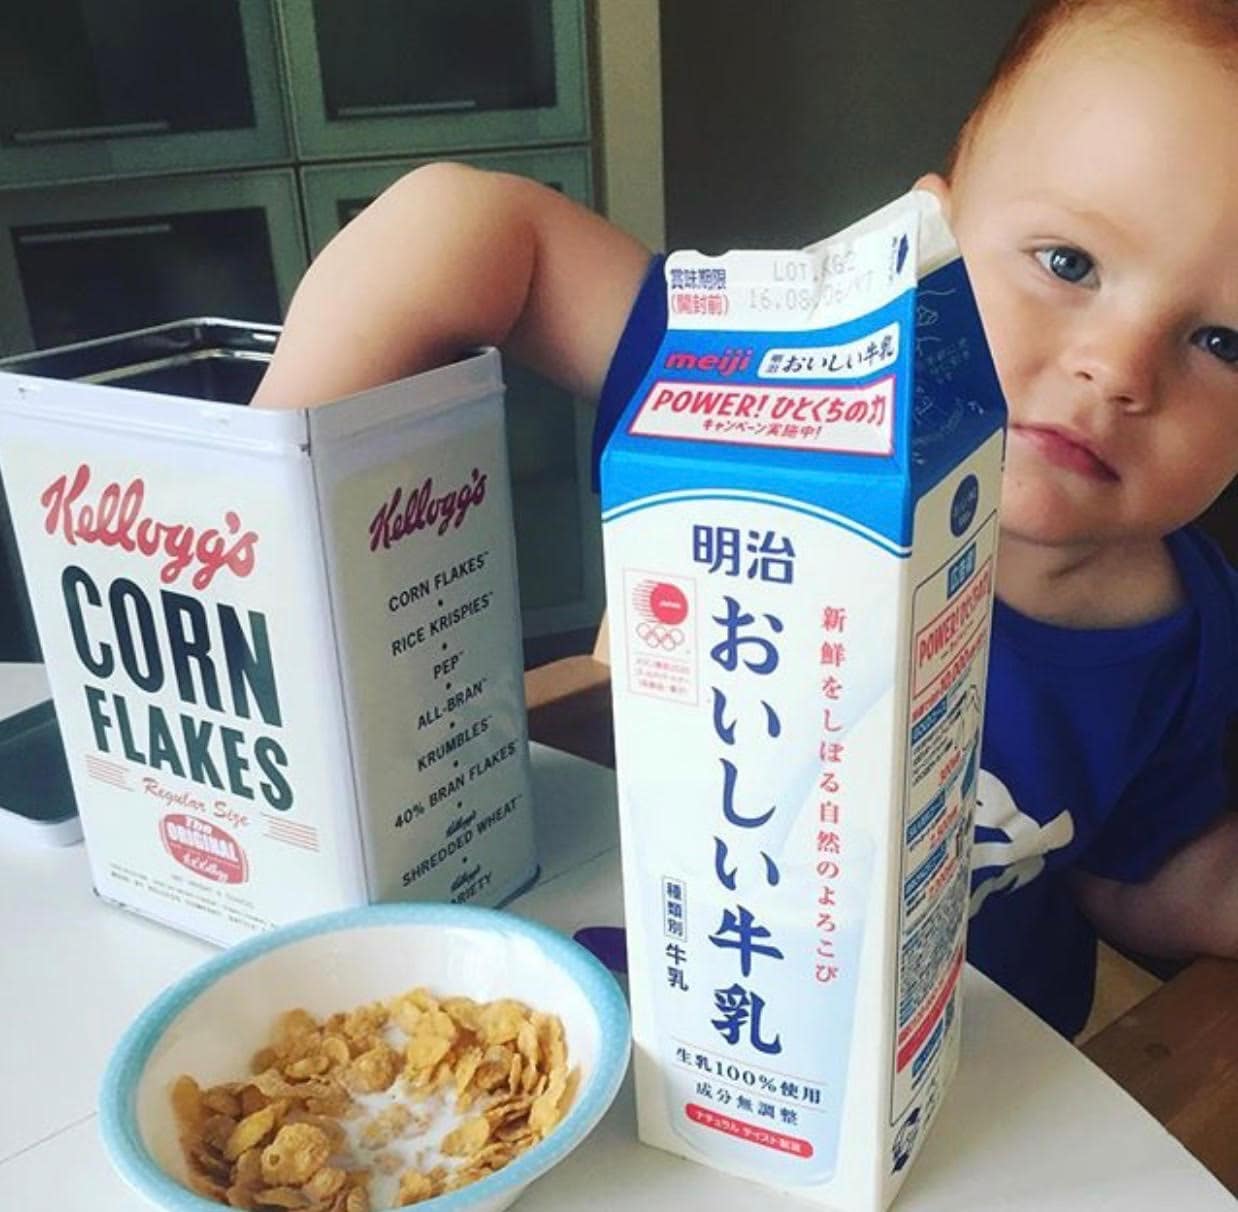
<point x="1066" y="449"/>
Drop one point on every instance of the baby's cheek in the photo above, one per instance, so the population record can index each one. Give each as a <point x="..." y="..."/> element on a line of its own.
<point x="1038" y="508"/>
<point x="1010" y="349"/>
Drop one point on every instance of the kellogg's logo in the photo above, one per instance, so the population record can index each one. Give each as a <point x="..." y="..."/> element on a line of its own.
<point x="203" y="848"/>
<point x="115" y="519"/>
<point x="399" y="517"/>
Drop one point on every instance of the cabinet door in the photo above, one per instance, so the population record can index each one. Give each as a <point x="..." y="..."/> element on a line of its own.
<point x="100" y="88"/>
<point x="417" y="76"/>
<point x="91" y="260"/>
<point x="558" y="532"/>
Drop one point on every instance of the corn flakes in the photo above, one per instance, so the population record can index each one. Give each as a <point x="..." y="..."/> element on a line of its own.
<point x="386" y="1126"/>
<point x="251" y="1131"/>
<point x="277" y="1140"/>
<point x="373" y="1070"/>
<point x="467" y="1139"/>
<point x="296" y="1154"/>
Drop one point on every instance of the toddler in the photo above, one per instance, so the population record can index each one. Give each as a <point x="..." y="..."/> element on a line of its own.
<point x="1094" y="195"/>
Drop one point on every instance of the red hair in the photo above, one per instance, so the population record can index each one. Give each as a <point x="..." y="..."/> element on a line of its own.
<point x="1211" y="24"/>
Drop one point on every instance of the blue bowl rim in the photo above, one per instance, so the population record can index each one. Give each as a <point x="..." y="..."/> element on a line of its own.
<point x="118" y="1088"/>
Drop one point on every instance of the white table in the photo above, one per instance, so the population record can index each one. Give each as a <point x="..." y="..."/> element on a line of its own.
<point x="1029" y="1124"/>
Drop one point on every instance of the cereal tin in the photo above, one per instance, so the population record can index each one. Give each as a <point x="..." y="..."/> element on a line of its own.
<point x="283" y="646"/>
<point x="800" y="526"/>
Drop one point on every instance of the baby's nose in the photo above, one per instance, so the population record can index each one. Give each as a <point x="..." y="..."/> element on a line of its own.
<point x="1118" y="359"/>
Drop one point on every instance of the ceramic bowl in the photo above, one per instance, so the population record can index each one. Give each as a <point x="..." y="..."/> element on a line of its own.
<point x="210" y="1023"/>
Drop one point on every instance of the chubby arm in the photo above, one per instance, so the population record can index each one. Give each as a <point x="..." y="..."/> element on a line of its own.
<point x="448" y="258"/>
<point x="1188" y="907"/>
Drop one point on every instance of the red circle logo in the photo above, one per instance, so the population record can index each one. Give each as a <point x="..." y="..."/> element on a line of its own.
<point x="667" y="603"/>
<point x="203" y="848"/>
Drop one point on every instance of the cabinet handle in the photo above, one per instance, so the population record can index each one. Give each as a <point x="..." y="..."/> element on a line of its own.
<point x="405" y="107"/>
<point x="71" y="134"/>
<point x="95" y="233"/>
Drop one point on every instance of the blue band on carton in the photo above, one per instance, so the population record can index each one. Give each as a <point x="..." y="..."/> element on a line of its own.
<point x="841" y="418"/>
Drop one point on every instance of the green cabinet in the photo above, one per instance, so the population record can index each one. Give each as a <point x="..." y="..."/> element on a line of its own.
<point x="101" y="88"/>
<point x="86" y="261"/>
<point x="401" y="77"/>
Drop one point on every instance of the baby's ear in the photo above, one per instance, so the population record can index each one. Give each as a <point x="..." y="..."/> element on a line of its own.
<point x="939" y="187"/>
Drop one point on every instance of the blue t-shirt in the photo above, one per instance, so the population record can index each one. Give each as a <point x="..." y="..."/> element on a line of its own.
<point x="1102" y="749"/>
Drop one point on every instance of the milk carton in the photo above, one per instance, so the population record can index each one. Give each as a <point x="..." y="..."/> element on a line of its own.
<point x="800" y="521"/>
<point x="284" y="647"/>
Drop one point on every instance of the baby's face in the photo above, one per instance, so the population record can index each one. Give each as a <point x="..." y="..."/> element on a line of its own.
<point x="1097" y="212"/>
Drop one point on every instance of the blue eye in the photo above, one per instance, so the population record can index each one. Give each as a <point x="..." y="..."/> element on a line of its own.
<point x="1069" y="264"/>
<point x="1221" y="343"/>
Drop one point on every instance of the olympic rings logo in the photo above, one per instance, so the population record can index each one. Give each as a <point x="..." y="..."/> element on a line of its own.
<point x="657" y="635"/>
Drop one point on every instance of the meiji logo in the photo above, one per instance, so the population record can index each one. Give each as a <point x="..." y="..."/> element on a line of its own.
<point x="728" y="362"/>
<point x="423" y="510"/>
<point x="115" y="519"/>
